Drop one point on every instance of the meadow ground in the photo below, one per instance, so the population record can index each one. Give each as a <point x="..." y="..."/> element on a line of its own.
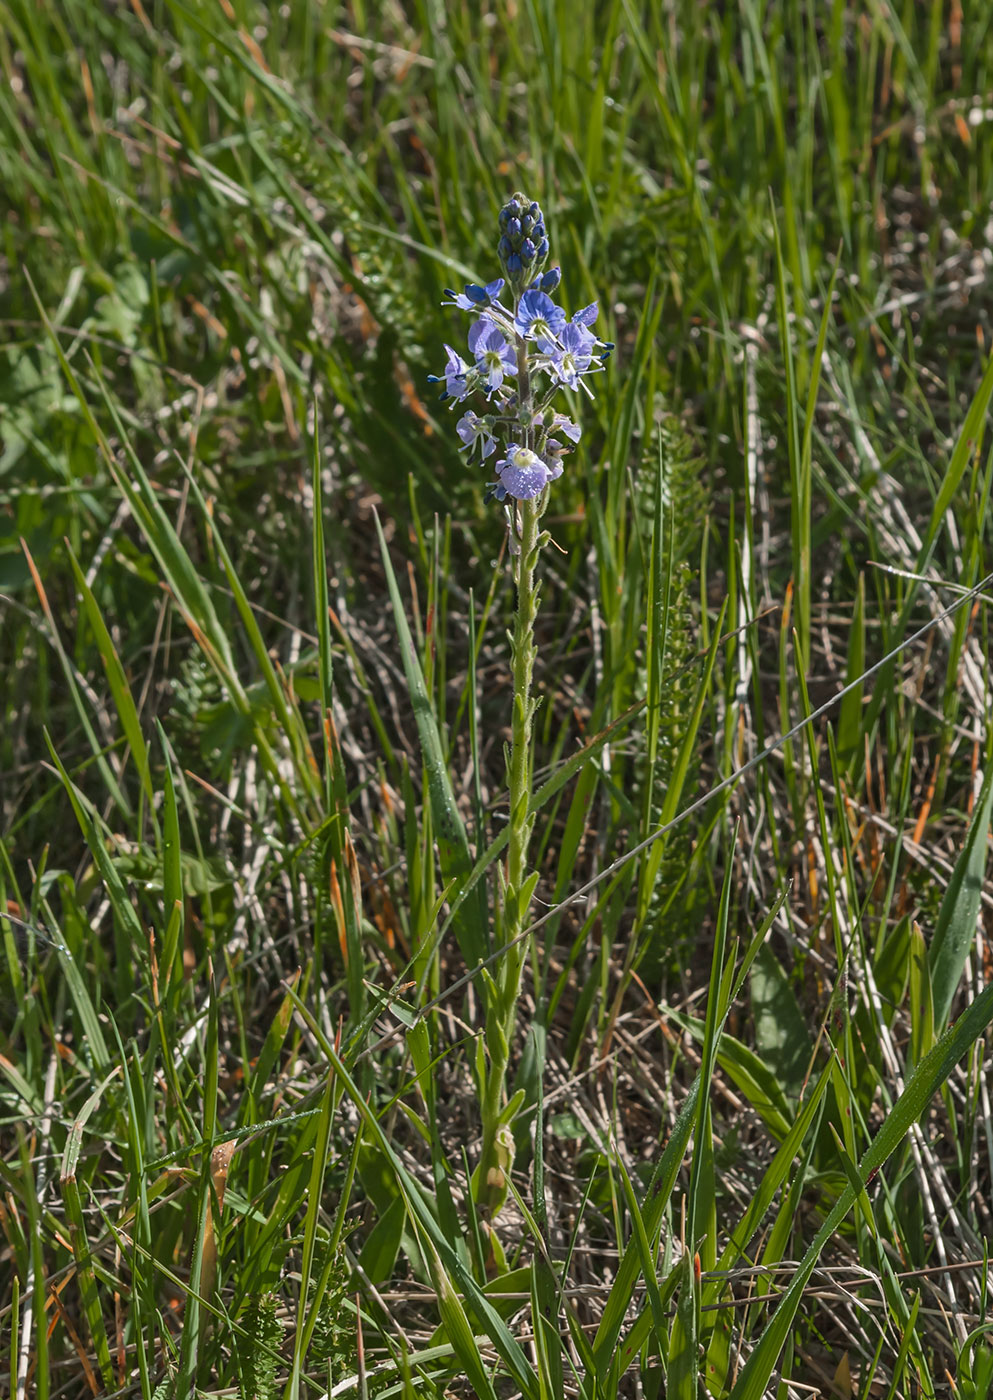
<point x="256" y="690"/>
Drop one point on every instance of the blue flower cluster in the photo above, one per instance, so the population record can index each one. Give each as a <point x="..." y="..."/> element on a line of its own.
<point x="520" y="356"/>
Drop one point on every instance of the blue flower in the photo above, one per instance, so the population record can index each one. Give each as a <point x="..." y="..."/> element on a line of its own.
<point x="586" y="317"/>
<point x="538" y="318"/>
<point x="456" y="377"/>
<point x="474" y="297"/>
<point x="494" y="354"/>
<point x="523" y="474"/>
<point x="572" y="356"/>
<point x="472" y="430"/>
<point x="563" y="424"/>
<point x="554" y="451"/>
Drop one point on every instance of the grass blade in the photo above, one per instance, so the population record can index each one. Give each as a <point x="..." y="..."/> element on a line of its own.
<point x="929" y="1076"/>
<point x="469" y="916"/>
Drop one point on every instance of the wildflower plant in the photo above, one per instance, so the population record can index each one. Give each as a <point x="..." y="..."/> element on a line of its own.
<point x="522" y="351"/>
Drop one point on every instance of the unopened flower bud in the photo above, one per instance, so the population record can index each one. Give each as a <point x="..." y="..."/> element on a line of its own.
<point x="551" y="279"/>
<point x="523" y="244"/>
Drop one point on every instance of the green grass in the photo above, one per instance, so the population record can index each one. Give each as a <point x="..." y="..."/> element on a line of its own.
<point x="252" y="792"/>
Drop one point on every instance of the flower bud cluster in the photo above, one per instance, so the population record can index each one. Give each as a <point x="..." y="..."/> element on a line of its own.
<point x="523" y="245"/>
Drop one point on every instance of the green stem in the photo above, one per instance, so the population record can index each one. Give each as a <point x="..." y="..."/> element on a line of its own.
<point x="502" y="1015"/>
<point x="529" y="514"/>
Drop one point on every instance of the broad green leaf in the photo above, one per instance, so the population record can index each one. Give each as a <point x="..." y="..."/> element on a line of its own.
<point x="921" y="999"/>
<point x="383" y="1243"/>
<point x="683" y="1370"/>
<point x="782" y="1040"/>
<point x="891" y="966"/>
<point x="967" y="445"/>
<point x="123" y="699"/>
<point x="545" y="1322"/>
<point x="456" y="1323"/>
<point x="955" y="930"/>
<point x="750" y="1074"/>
